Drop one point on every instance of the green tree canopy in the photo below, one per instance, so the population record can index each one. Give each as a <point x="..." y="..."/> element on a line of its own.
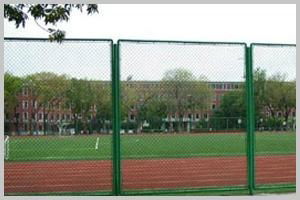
<point x="12" y="86"/>
<point x="183" y="92"/>
<point x="273" y="94"/>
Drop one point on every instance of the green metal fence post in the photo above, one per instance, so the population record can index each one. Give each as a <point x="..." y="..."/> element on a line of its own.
<point x="116" y="121"/>
<point x="250" y="122"/>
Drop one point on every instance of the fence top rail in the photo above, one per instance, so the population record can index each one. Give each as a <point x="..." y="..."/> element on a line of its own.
<point x="272" y="44"/>
<point x="181" y="42"/>
<point x="47" y="39"/>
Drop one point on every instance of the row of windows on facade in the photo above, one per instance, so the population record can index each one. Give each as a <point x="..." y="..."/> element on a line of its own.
<point x="34" y="104"/>
<point x="26" y="127"/>
<point x="188" y="116"/>
<point x="279" y="114"/>
<point x="40" y="116"/>
<point x="25" y="104"/>
<point x="224" y="86"/>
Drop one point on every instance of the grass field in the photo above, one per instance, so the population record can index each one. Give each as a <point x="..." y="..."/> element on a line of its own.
<point x="99" y="147"/>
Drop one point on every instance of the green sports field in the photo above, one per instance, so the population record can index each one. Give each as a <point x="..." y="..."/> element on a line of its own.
<point x="99" y="147"/>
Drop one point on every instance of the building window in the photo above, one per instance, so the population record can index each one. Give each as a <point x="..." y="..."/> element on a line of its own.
<point x="215" y="97"/>
<point x="25" y="91"/>
<point x="197" y="116"/>
<point x="25" y="127"/>
<point x="205" y="115"/>
<point x="131" y="117"/>
<point x="34" y="103"/>
<point x="279" y="114"/>
<point x="213" y="106"/>
<point x="40" y="116"/>
<point x="40" y="127"/>
<point x="25" y="104"/>
<point x="190" y="116"/>
<point x="57" y="117"/>
<point x="25" y="115"/>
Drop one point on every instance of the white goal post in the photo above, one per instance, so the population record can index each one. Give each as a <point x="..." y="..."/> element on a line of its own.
<point x="6" y="148"/>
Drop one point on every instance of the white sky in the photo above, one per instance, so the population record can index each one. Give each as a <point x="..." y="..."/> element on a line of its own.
<point x="227" y="23"/>
<point x="246" y="23"/>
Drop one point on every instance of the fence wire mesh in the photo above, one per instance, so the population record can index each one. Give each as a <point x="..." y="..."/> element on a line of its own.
<point x="58" y="110"/>
<point x="275" y="113"/>
<point x="183" y="115"/>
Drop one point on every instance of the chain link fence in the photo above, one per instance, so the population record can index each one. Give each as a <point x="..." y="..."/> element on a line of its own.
<point x="57" y="116"/>
<point x="90" y="117"/>
<point x="274" y="77"/>
<point x="179" y="128"/>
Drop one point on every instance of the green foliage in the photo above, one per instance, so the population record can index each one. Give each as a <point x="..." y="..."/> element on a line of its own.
<point x="47" y="86"/>
<point x="103" y="101"/>
<point x="273" y="94"/>
<point x="85" y="98"/>
<point x="12" y="86"/>
<point x="232" y="105"/>
<point x="47" y="13"/>
<point x="183" y="92"/>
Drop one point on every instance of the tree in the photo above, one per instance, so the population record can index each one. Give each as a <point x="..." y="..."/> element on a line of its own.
<point x="133" y="101"/>
<point x="280" y="95"/>
<point x="104" y="105"/>
<point x="81" y="96"/>
<point x="12" y="86"/>
<point x="260" y="80"/>
<point x="49" y="89"/>
<point x="273" y="94"/>
<point x="233" y="104"/>
<point x="184" y="93"/>
<point x="154" y="111"/>
<point x="47" y="13"/>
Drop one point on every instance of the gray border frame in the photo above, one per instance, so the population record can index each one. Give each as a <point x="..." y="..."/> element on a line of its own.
<point x="271" y="197"/>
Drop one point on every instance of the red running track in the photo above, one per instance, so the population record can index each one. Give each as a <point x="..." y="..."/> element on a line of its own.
<point x="90" y="176"/>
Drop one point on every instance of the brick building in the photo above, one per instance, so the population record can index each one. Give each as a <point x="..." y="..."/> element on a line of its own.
<point x="31" y="117"/>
